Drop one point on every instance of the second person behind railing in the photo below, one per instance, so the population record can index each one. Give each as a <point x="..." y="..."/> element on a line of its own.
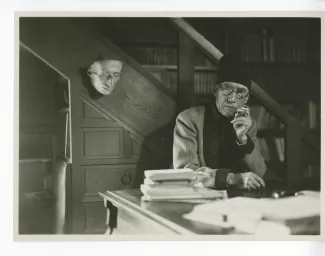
<point x="220" y="140"/>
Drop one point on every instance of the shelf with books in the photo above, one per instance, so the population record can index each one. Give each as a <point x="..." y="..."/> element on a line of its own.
<point x="175" y="68"/>
<point x="296" y="65"/>
<point x="163" y="56"/>
<point x="266" y="45"/>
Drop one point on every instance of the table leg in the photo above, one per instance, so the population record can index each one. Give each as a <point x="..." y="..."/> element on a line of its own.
<point x="111" y="218"/>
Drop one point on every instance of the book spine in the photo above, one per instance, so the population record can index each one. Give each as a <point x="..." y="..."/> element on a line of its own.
<point x="264" y="46"/>
<point x="272" y="46"/>
<point x="279" y="149"/>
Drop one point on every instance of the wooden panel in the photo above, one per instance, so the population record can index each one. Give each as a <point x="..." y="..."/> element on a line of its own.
<point x="110" y="177"/>
<point x="101" y="143"/>
<point x="94" y="215"/>
<point x="136" y="147"/>
<point x="92" y="117"/>
<point x="90" y="113"/>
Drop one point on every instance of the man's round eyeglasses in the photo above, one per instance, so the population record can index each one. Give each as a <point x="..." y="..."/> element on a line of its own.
<point x="228" y="90"/>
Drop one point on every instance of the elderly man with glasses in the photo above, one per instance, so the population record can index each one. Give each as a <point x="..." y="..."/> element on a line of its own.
<point x="220" y="140"/>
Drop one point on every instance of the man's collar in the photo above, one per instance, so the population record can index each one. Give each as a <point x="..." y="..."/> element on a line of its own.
<point x="218" y="115"/>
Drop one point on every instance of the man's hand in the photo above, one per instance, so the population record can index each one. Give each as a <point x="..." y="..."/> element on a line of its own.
<point x="247" y="180"/>
<point x="206" y="176"/>
<point x="242" y="124"/>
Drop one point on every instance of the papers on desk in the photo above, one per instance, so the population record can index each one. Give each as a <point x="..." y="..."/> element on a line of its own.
<point x="292" y="215"/>
<point x="175" y="185"/>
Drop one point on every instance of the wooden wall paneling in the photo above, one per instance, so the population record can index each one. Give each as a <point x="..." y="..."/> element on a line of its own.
<point x="90" y="113"/>
<point x="99" y="178"/>
<point x="127" y="145"/>
<point x="136" y="146"/>
<point x="94" y="216"/>
<point x="91" y="117"/>
<point x="99" y="143"/>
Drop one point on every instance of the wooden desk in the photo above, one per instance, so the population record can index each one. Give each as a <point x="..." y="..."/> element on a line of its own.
<point x="136" y="217"/>
<point x="142" y="218"/>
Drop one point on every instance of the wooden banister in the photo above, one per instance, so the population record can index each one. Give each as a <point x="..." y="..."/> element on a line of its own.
<point x="208" y="49"/>
<point x="214" y="55"/>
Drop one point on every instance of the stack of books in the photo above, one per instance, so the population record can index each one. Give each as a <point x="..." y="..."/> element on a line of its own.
<point x="175" y="184"/>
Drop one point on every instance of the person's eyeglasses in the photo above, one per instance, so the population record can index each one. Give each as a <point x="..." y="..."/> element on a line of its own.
<point x="228" y="90"/>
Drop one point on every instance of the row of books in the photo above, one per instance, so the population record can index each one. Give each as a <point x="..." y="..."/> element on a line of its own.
<point x="263" y="46"/>
<point x="246" y="47"/>
<point x="313" y="116"/>
<point x="268" y="47"/>
<point x="204" y="81"/>
<point x="279" y="83"/>
<point x="153" y="55"/>
<point x="162" y="56"/>
<point x="287" y="83"/>
<point x="284" y="49"/>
